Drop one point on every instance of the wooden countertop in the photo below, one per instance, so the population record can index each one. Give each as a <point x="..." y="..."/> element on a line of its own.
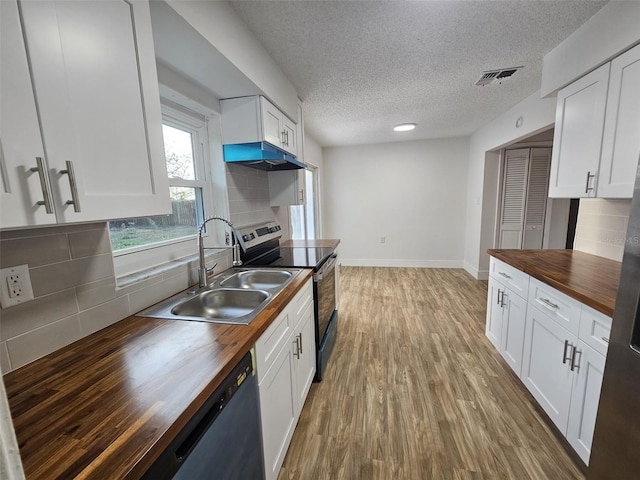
<point x="589" y="279"/>
<point x="106" y="406"/>
<point x="328" y="242"/>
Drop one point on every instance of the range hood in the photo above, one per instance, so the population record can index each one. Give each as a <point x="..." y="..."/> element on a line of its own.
<point x="260" y="155"/>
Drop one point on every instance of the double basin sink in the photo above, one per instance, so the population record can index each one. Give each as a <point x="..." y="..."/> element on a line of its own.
<point x="235" y="297"/>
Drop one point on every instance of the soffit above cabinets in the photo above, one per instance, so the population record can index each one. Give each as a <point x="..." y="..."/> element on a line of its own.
<point x="180" y="48"/>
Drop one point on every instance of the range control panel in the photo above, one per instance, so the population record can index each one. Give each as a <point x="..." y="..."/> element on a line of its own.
<point x="252" y="235"/>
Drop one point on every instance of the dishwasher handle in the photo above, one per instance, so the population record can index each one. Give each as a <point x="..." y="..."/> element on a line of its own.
<point x="183" y="451"/>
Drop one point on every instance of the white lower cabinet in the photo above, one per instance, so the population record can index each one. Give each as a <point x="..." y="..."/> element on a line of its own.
<point x="584" y="399"/>
<point x="506" y="312"/>
<point x="513" y="329"/>
<point x="493" y="328"/>
<point x="555" y="344"/>
<point x="277" y="411"/>
<point x="286" y="364"/>
<point x="546" y="368"/>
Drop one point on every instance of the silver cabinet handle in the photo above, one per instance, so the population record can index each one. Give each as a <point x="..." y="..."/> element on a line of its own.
<point x="573" y="366"/>
<point x="505" y="275"/>
<point x="44" y="185"/>
<point x="302" y="195"/>
<point x="587" y="188"/>
<point x="499" y="302"/>
<point x="605" y="339"/>
<point x="564" y="353"/>
<point x="548" y="303"/>
<point x="73" y="185"/>
<point x="299" y="336"/>
<point x="502" y="303"/>
<point x="298" y="350"/>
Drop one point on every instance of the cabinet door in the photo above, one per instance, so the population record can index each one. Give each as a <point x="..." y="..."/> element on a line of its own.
<point x="290" y="143"/>
<point x="513" y="328"/>
<point x="589" y="369"/>
<point x="621" y="140"/>
<point x="286" y="187"/>
<point x="271" y="123"/>
<point x="305" y="351"/>
<point x="20" y="140"/>
<point x="545" y="372"/>
<point x="277" y="411"/>
<point x="578" y="136"/>
<point x="495" y="310"/>
<point x="93" y="69"/>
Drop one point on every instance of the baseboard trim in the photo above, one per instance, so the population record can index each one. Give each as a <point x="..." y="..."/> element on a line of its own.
<point x="377" y="262"/>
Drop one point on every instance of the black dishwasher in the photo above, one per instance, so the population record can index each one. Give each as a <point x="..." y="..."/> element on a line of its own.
<point x="222" y="441"/>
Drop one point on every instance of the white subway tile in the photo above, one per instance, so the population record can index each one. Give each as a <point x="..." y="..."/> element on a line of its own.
<point x="53" y="230"/>
<point x="145" y="297"/>
<point x="37" y="313"/>
<point x="53" y="278"/>
<point x="104" y="315"/>
<point x="5" y="363"/>
<point x="34" y="251"/>
<point x="90" y="242"/>
<point x="94" y="293"/>
<point x="40" y="342"/>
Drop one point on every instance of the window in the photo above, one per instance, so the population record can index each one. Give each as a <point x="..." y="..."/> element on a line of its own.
<point x="166" y="237"/>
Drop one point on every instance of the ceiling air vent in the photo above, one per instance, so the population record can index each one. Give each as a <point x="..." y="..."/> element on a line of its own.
<point x="496" y="76"/>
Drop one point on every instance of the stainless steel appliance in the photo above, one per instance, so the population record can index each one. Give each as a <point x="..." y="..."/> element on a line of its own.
<point x="223" y="439"/>
<point x="614" y="453"/>
<point x="261" y="246"/>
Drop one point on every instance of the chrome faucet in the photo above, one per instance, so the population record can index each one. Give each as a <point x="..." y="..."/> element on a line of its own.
<point x="203" y="271"/>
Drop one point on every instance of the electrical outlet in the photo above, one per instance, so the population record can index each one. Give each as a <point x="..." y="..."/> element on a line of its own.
<point x="15" y="286"/>
<point x="383" y="239"/>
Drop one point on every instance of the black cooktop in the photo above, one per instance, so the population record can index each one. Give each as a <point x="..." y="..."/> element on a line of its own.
<point x="302" y="257"/>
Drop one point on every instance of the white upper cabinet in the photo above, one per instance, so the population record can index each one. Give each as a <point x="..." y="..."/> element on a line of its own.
<point x="621" y="140"/>
<point x="95" y="85"/>
<point x="256" y="119"/>
<point x="21" y="143"/>
<point x="596" y="145"/>
<point x="578" y="136"/>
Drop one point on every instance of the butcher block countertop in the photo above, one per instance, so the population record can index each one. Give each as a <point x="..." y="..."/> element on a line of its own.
<point x="329" y="242"/>
<point x="589" y="279"/>
<point x="106" y="406"/>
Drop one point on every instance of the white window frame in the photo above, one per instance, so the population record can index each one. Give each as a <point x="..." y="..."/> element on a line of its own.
<point x="206" y="143"/>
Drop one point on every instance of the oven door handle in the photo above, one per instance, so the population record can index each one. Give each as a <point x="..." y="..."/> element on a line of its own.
<point x="324" y="269"/>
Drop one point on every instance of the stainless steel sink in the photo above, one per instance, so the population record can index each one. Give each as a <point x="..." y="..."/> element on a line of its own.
<point x="235" y="296"/>
<point x="224" y="303"/>
<point x="257" y="279"/>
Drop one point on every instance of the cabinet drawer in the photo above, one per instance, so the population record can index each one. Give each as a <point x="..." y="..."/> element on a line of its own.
<point x="595" y="328"/>
<point x="511" y="277"/>
<point x="271" y="342"/>
<point x="562" y="308"/>
<point x="303" y="298"/>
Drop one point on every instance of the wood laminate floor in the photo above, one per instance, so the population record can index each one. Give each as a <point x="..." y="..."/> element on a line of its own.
<point x="414" y="390"/>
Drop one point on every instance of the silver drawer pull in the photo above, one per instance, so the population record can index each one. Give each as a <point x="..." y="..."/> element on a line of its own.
<point x="573" y="359"/>
<point x="44" y="185"/>
<point x="505" y="275"/>
<point x="75" y="201"/>
<point x="548" y="303"/>
<point x="587" y="189"/>
<point x="564" y="353"/>
<point x="605" y="339"/>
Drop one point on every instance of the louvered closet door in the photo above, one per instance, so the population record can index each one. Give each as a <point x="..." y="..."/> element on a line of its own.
<point x="536" y="204"/>
<point x="514" y="190"/>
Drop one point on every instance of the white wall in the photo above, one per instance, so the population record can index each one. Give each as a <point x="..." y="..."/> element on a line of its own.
<point x="482" y="187"/>
<point x="411" y="193"/>
<point x="222" y="27"/>
<point x="605" y="35"/>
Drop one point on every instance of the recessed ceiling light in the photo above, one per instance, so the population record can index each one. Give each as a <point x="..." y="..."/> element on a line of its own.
<point x="404" y="127"/>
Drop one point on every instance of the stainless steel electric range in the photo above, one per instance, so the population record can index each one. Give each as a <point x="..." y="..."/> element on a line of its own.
<point x="261" y="247"/>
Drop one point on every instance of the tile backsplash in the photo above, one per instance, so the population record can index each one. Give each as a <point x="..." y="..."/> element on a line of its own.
<point x="75" y="290"/>
<point x="602" y="226"/>
<point x="248" y="195"/>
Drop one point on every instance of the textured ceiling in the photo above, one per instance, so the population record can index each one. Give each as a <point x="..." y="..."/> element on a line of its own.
<point x="362" y="67"/>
